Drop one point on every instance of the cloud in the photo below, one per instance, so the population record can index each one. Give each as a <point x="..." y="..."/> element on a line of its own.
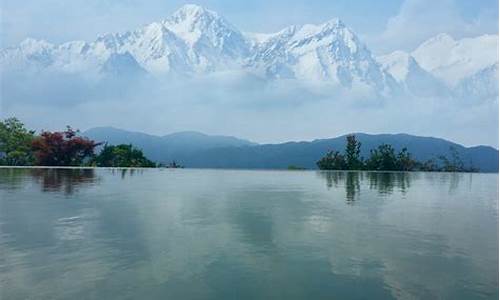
<point x="418" y="20"/>
<point x="241" y="105"/>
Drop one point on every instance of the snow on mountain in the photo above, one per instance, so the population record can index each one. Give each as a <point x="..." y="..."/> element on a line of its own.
<point x="195" y="40"/>
<point x="192" y="40"/>
<point x="453" y="60"/>
<point x="481" y="85"/>
<point x="442" y="66"/>
<point x="408" y="73"/>
<point x="212" y="41"/>
<point x="328" y="52"/>
<point x="122" y="63"/>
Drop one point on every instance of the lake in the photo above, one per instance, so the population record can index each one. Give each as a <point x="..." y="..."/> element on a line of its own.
<point x="235" y="234"/>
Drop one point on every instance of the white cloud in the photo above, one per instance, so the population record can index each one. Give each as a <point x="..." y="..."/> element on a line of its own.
<point x="232" y="104"/>
<point x="419" y="20"/>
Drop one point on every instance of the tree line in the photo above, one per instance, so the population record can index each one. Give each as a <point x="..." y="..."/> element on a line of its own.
<point x="385" y="158"/>
<point x="22" y="147"/>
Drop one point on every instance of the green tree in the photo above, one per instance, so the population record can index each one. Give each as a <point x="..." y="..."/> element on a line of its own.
<point x="404" y="161"/>
<point x="352" y="152"/>
<point x="333" y="160"/>
<point x="15" y="143"/>
<point x="122" y="156"/>
<point x="427" y="166"/>
<point x="382" y="159"/>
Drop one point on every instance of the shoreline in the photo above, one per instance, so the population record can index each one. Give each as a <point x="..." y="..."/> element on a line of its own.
<point x="228" y="169"/>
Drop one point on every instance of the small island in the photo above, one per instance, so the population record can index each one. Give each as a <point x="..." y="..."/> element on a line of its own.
<point x="385" y="158"/>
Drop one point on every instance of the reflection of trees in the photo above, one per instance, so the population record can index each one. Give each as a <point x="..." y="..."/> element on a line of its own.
<point x="332" y="178"/>
<point x="352" y="185"/>
<point x="12" y="178"/>
<point x="123" y="172"/>
<point x="383" y="182"/>
<point x="66" y="180"/>
<point x="350" y="180"/>
<point x="386" y="182"/>
<point x="451" y="178"/>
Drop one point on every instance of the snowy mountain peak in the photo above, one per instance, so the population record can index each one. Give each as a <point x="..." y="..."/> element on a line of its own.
<point x="329" y="52"/>
<point x="191" y="21"/>
<point x="442" y="38"/>
<point x="398" y="64"/>
<point x="31" y="45"/>
<point x="197" y="41"/>
<point x="408" y="73"/>
<point x="452" y="60"/>
<point x="192" y="11"/>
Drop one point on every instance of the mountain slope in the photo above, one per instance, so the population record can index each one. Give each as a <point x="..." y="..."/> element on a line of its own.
<point x="197" y="150"/>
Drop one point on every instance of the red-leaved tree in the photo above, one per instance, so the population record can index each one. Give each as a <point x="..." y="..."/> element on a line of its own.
<point x="62" y="148"/>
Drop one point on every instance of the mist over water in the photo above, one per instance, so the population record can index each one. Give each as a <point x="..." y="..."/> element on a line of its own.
<point x="213" y="234"/>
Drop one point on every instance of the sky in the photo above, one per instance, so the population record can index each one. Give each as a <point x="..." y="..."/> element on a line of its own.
<point x="222" y="105"/>
<point x="385" y="25"/>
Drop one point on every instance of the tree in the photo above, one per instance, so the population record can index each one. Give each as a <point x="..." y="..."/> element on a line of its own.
<point x="382" y="159"/>
<point x="122" y="156"/>
<point x="352" y="152"/>
<point x="15" y="143"/>
<point x="454" y="164"/>
<point x="62" y="148"/>
<point x="404" y="161"/>
<point x="333" y="160"/>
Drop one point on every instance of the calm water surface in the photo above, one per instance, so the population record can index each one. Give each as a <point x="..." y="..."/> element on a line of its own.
<point x="214" y="234"/>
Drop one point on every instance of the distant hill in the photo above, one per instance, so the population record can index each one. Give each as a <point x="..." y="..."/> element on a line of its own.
<point x="197" y="150"/>
<point x="165" y="148"/>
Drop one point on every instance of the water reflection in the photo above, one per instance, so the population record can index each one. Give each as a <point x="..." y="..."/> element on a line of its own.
<point x="387" y="183"/>
<point x="204" y="234"/>
<point x="124" y="172"/>
<point x="12" y="178"/>
<point x="63" y="180"/>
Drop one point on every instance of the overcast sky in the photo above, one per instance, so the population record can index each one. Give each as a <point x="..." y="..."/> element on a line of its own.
<point x="385" y="25"/>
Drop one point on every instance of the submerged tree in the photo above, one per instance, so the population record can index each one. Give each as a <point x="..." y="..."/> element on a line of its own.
<point x="122" y="156"/>
<point x="382" y="159"/>
<point x="404" y="161"/>
<point x="15" y="143"/>
<point x="352" y="153"/>
<point x="62" y="148"/>
<point x="454" y="163"/>
<point x="333" y="160"/>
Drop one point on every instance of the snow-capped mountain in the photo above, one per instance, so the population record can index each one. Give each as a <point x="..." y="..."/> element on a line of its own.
<point x="326" y="52"/>
<point x="453" y="60"/>
<point x="481" y="85"/>
<point x="195" y="40"/>
<point x="412" y="78"/>
<point x="466" y="68"/>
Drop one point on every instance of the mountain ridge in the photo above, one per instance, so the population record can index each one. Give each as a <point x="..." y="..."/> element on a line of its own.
<point x="246" y="154"/>
<point x="195" y="40"/>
